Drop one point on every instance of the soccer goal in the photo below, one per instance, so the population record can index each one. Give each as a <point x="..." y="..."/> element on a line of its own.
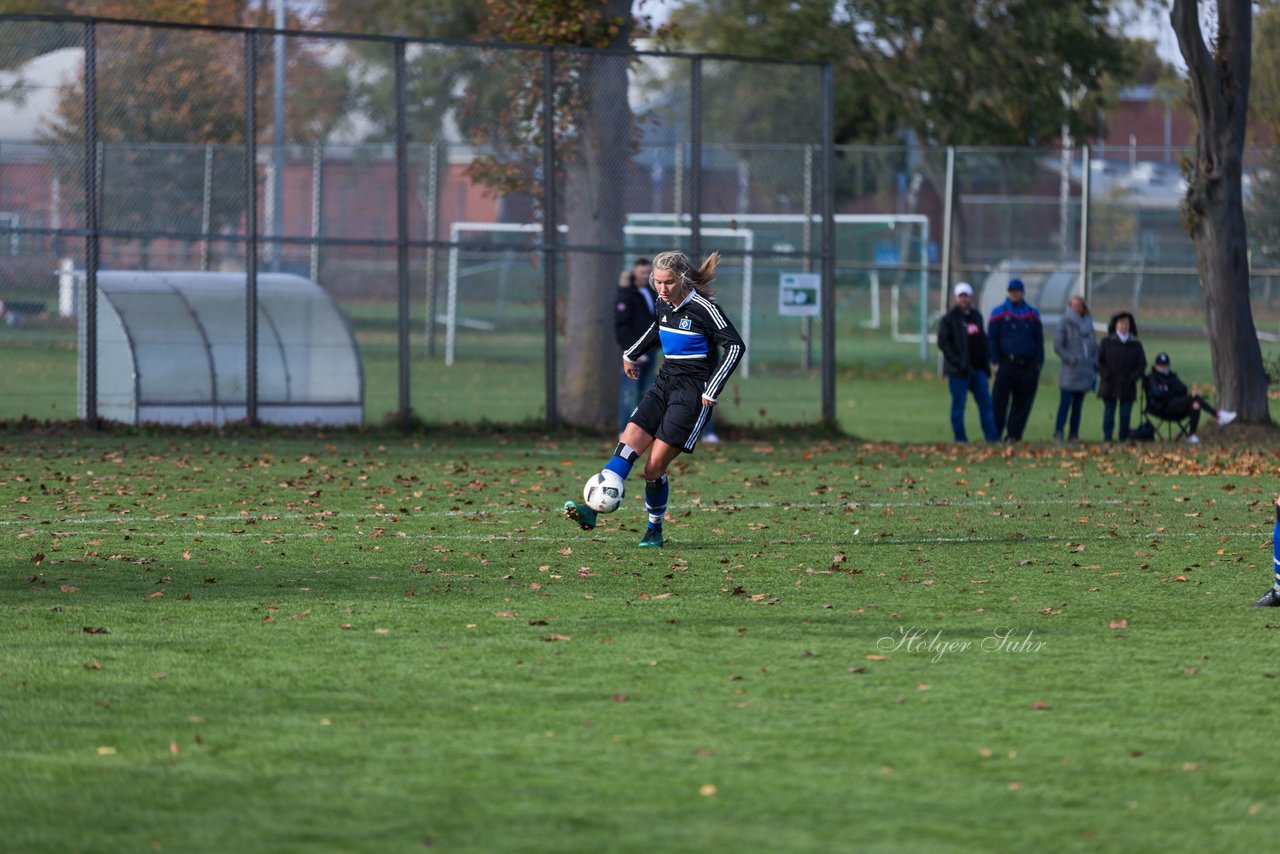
<point x="876" y="250"/>
<point x="876" y="255"/>
<point x="495" y="266"/>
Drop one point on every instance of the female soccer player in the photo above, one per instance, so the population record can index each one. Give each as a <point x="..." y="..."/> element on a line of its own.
<point x="1271" y="599"/>
<point x="690" y="328"/>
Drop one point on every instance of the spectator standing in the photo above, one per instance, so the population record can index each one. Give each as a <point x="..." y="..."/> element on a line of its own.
<point x="1077" y="347"/>
<point x="1121" y="363"/>
<point x="633" y="314"/>
<point x="1017" y="352"/>
<point x="966" y="363"/>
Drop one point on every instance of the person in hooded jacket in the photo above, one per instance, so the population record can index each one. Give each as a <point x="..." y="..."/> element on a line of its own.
<point x="1077" y="347"/>
<point x="1121" y="364"/>
<point x="1016" y="338"/>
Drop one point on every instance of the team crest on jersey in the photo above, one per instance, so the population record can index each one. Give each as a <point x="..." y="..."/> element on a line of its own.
<point x="686" y="323"/>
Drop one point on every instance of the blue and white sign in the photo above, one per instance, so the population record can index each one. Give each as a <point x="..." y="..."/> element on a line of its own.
<point x="799" y="294"/>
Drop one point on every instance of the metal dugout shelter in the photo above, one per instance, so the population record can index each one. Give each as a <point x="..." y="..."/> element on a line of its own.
<point x="170" y="349"/>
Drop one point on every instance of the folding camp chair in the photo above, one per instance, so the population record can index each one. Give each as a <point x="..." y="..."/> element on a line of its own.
<point x="1167" y="429"/>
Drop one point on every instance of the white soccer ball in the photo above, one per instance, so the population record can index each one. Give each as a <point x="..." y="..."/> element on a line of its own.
<point x="603" y="492"/>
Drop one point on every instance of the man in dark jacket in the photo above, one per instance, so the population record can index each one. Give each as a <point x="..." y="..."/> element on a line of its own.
<point x="1017" y="351"/>
<point x="633" y="315"/>
<point x="965" y="362"/>
<point x="1169" y="398"/>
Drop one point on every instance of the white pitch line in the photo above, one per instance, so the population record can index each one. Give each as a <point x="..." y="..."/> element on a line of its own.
<point x="854" y="540"/>
<point x="507" y="511"/>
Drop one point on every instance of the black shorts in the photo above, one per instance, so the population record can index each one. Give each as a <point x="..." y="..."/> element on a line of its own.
<point x="672" y="410"/>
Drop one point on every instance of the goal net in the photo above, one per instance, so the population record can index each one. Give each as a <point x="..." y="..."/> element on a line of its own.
<point x="882" y="264"/>
<point x="486" y="271"/>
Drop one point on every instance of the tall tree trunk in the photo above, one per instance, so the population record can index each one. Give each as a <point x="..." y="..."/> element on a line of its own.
<point x="1213" y="210"/>
<point x="594" y="209"/>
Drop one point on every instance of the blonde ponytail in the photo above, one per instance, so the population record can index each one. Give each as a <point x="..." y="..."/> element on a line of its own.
<point x="698" y="279"/>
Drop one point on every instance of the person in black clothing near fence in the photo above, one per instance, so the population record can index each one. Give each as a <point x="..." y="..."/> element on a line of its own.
<point x="1016" y="337"/>
<point x="1169" y="398"/>
<point x="633" y="315"/>
<point x="1121" y="362"/>
<point x="966" y="364"/>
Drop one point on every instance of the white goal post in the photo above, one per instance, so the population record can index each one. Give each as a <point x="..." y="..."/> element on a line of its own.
<point x="807" y="224"/>
<point x="458" y="228"/>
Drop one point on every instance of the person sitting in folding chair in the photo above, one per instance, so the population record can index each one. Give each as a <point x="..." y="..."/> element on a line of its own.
<point x="1169" y="398"/>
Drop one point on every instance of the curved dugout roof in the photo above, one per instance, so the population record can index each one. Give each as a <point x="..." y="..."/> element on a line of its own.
<point x="1048" y="292"/>
<point x="171" y="349"/>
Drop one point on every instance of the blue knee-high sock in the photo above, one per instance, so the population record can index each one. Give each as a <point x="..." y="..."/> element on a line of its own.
<point x="624" y="457"/>
<point x="655" y="500"/>
<point x="1275" y="546"/>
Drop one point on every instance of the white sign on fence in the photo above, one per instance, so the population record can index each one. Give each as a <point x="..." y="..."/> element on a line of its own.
<point x="798" y="294"/>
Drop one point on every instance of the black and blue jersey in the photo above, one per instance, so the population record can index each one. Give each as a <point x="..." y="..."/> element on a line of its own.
<point x="691" y="334"/>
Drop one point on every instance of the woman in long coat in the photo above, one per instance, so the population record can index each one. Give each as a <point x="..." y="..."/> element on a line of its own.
<point x="1077" y="347"/>
<point x="1121" y="364"/>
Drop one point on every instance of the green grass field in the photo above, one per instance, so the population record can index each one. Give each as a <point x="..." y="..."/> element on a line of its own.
<point x="364" y="643"/>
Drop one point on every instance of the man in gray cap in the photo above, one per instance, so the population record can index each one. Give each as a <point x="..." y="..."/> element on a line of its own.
<point x="965" y="362"/>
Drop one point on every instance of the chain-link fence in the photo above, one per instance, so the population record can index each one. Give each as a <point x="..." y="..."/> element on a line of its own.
<point x="1042" y="216"/>
<point x="455" y="217"/>
<point x="465" y="209"/>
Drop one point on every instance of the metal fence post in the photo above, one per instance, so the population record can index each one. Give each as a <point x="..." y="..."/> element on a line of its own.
<point x="91" y="200"/>
<point x="948" y="195"/>
<point x="549" y="254"/>
<point x="317" y="207"/>
<point x="431" y="204"/>
<point x="206" y="208"/>
<point x="251" y="225"/>
<point x="277" y="139"/>
<point x="402" y="234"/>
<point x="806" y="240"/>
<point x="828" y="299"/>
<point x="695" y="161"/>
<point x="1085" y="189"/>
